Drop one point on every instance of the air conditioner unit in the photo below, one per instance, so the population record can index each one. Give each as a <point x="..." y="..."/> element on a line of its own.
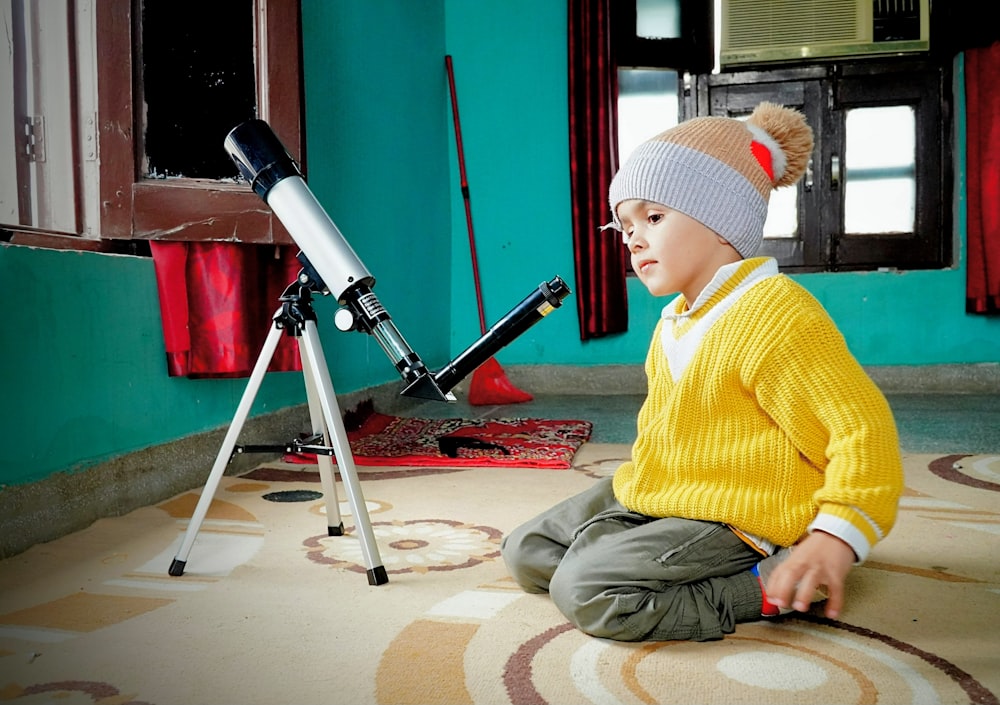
<point x="770" y="31"/>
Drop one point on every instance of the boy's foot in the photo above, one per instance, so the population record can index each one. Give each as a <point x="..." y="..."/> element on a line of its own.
<point x="763" y="572"/>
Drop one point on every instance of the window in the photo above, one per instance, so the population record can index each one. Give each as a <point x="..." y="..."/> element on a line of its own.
<point x="124" y="97"/>
<point x="197" y="84"/>
<point x="653" y="42"/>
<point x="674" y="34"/>
<point x="880" y="150"/>
<point x="647" y="105"/>
<point x="877" y="193"/>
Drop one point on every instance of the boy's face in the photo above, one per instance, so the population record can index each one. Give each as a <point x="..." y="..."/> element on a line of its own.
<point x="671" y="252"/>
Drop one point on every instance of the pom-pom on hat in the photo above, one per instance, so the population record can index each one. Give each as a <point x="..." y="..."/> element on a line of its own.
<point x="719" y="171"/>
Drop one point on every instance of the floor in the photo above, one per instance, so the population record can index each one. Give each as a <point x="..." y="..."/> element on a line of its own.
<point x="927" y="423"/>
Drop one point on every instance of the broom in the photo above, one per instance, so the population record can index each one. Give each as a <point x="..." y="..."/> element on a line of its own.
<point x="489" y="384"/>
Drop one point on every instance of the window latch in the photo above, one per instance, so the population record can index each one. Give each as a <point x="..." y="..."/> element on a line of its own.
<point x="834" y="172"/>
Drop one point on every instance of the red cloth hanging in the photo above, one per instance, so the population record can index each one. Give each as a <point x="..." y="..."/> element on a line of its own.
<point x="217" y="303"/>
<point x="602" y="301"/>
<point x="982" y="68"/>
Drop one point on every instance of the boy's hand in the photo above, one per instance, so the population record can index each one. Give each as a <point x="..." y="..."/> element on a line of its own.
<point x="820" y="559"/>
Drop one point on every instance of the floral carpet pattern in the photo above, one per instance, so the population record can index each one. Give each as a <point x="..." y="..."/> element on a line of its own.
<point x="271" y="609"/>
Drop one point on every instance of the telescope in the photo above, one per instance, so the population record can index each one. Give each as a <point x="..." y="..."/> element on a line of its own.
<point x="334" y="268"/>
<point x="331" y="267"/>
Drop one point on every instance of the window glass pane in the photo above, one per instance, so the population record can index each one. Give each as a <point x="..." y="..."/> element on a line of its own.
<point x="880" y="159"/>
<point x="198" y="83"/>
<point x="647" y="105"/>
<point x="657" y="19"/>
<point x="782" y="213"/>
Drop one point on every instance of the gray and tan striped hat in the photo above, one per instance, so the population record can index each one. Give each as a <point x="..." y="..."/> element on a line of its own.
<point x="719" y="171"/>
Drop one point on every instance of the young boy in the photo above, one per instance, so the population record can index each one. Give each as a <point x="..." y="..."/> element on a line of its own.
<point x="766" y="462"/>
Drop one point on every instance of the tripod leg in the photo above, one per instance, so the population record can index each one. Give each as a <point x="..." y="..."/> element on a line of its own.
<point x="345" y="459"/>
<point x="226" y="451"/>
<point x="334" y="522"/>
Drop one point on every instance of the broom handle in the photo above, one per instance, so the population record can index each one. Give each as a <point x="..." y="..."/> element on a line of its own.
<point x="465" y="192"/>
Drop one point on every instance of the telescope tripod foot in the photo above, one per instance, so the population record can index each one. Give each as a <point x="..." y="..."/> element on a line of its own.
<point x="377" y="576"/>
<point x="335" y="530"/>
<point x="177" y="567"/>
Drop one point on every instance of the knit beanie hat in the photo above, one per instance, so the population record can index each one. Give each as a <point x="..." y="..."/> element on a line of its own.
<point x="719" y="171"/>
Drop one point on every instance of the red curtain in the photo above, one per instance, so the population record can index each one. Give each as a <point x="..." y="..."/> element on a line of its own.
<point x="217" y="303"/>
<point x="601" y="300"/>
<point x="982" y="68"/>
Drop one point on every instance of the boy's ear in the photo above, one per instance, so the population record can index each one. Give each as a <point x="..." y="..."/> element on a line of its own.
<point x="724" y="241"/>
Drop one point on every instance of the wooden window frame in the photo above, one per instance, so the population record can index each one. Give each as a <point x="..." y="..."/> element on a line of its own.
<point x="133" y="208"/>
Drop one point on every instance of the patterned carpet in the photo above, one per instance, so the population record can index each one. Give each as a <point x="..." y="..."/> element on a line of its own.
<point x="385" y="440"/>
<point x="273" y="610"/>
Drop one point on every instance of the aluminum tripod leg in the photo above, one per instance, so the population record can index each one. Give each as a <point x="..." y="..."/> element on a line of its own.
<point x="328" y="479"/>
<point x="314" y="364"/>
<point x="226" y="451"/>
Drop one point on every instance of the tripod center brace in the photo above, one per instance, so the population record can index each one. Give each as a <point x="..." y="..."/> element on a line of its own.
<point x="331" y="267"/>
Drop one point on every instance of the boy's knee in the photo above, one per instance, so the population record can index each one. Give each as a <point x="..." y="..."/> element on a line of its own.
<point x="592" y="610"/>
<point x="521" y="570"/>
<point x="511" y="550"/>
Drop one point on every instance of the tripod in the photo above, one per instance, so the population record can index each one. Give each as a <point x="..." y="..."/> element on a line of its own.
<point x="297" y="318"/>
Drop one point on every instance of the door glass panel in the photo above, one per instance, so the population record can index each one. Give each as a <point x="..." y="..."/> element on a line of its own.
<point x="647" y="105"/>
<point x="658" y="19"/>
<point x="782" y="214"/>
<point x="880" y="183"/>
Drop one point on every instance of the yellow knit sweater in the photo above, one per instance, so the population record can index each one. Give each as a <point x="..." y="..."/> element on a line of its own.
<point x="772" y="427"/>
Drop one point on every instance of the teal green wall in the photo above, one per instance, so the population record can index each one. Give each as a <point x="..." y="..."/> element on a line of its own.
<point x="82" y="366"/>
<point x="378" y="161"/>
<point x="510" y="74"/>
<point x="82" y="372"/>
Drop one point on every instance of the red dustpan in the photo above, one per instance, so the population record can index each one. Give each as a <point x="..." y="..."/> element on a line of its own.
<point x="489" y="384"/>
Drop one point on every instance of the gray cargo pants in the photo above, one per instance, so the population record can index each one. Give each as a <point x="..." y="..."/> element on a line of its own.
<point x="621" y="575"/>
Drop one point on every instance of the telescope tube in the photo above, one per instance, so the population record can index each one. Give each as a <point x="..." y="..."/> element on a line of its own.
<point x="276" y="178"/>
<point x="540" y="303"/>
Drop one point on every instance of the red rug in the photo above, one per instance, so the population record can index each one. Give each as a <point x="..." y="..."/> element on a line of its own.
<point x="381" y="440"/>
